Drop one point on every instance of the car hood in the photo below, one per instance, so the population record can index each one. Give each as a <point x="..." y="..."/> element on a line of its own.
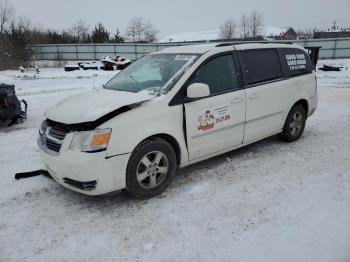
<point x="92" y="105"/>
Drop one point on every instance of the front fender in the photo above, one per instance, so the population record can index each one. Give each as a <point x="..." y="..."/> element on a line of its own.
<point x="131" y="128"/>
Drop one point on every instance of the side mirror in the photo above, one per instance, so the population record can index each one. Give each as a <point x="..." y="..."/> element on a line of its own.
<point x="198" y="90"/>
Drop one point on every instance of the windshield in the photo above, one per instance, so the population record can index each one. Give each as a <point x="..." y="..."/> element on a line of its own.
<point x="154" y="74"/>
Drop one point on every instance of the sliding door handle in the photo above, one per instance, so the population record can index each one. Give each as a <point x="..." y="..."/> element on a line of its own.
<point x="237" y="100"/>
<point x="254" y="96"/>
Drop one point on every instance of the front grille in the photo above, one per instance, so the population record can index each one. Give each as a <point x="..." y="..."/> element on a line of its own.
<point x="57" y="133"/>
<point x="88" y="186"/>
<point x="52" y="145"/>
<point x="51" y="136"/>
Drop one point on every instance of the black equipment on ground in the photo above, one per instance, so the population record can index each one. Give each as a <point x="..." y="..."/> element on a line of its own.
<point x="32" y="174"/>
<point x="10" y="107"/>
<point x="330" y="68"/>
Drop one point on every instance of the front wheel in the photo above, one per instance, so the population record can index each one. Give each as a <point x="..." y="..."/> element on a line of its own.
<point x="295" y="124"/>
<point x="151" y="168"/>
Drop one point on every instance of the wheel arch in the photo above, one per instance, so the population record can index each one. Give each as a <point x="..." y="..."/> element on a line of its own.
<point x="304" y="103"/>
<point x="172" y="141"/>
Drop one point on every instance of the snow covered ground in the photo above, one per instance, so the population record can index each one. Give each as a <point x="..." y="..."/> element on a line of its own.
<point x="271" y="201"/>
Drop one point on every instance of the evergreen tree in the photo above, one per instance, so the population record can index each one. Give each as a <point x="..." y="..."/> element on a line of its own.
<point x="100" y="34"/>
<point x="118" y="38"/>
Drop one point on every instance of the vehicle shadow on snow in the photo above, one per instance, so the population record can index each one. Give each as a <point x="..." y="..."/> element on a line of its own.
<point x="272" y="144"/>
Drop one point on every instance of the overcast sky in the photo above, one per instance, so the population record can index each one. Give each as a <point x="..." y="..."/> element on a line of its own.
<point x="173" y="16"/>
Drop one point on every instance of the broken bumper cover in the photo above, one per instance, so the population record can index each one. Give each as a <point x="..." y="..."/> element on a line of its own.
<point x="87" y="173"/>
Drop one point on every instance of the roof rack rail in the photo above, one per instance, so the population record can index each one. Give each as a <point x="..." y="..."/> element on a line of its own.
<point x="252" y="42"/>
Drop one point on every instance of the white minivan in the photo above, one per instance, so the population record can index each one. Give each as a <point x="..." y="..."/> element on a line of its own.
<point x="174" y="108"/>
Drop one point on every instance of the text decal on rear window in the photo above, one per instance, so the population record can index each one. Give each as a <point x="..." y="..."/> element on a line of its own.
<point x="296" y="61"/>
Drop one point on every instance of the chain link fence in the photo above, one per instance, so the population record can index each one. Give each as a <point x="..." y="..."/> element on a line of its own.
<point x="330" y="49"/>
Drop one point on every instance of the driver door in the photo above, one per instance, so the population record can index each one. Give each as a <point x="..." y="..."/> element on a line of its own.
<point x="216" y="123"/>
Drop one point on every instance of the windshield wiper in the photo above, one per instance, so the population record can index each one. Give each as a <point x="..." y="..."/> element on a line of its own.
<point x="115" y="89"/>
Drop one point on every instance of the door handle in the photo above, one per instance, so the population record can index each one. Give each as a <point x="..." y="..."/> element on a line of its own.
<point x="237" y="100"/>
<point x="254" y="96"/>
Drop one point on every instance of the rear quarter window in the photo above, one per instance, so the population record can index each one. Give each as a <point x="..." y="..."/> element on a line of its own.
<point x="261" y="65"/>
<point x="295" y="62"/>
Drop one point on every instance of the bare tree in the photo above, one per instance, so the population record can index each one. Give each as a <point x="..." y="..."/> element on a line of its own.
<point x="135" y="28"/>
<point x="141" y="30"/>
<point x="256" y="23"/>
<point x="24" y="23"/>
<point x="80" y="30"/>
<point x="244" y="26"/>
<point x="7" y="12"/>
<point x="228" y="29"/>
<point x="150" y="34"/>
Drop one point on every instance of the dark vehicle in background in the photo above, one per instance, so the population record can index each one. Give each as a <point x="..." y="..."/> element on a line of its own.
<point x="10" y="106"/>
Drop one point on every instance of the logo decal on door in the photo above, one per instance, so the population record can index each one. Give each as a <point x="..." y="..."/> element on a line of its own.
<point x="206" y="121"/>
<point x="213" y="118"/>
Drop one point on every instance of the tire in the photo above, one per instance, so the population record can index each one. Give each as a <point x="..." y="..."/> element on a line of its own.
<point x="151" y="168"/>
<point x="295" y="124"/>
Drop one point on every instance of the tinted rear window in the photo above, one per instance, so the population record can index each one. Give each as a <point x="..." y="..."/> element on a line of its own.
<point x="295" y="61"/>
<point x="261" y="65"/>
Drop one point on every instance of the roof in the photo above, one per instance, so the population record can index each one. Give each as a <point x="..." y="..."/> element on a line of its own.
<point x="266" y="45"/>
<point x="203" y="48"/>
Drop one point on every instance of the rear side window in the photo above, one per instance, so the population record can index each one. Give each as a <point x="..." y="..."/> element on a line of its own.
<point x="295" y="62"/>
<point x="219" y="74"/>
<point x="261" y="65"/>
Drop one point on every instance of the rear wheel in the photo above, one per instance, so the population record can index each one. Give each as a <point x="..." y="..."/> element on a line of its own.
<point x="295" y="124"/>
<point x="151" y="168"/>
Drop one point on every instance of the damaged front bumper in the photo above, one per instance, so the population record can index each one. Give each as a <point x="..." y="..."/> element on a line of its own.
<point x="86" y="173"/>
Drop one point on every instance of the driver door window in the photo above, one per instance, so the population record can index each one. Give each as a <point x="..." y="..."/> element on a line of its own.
<point x="219" y="74"/>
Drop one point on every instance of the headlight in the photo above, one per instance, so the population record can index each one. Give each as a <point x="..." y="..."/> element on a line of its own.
<point x="43" y="127"/>
<point x="91" y="141"/>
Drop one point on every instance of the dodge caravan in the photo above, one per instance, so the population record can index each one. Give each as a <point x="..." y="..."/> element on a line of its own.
<point x="174" y="108"/>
